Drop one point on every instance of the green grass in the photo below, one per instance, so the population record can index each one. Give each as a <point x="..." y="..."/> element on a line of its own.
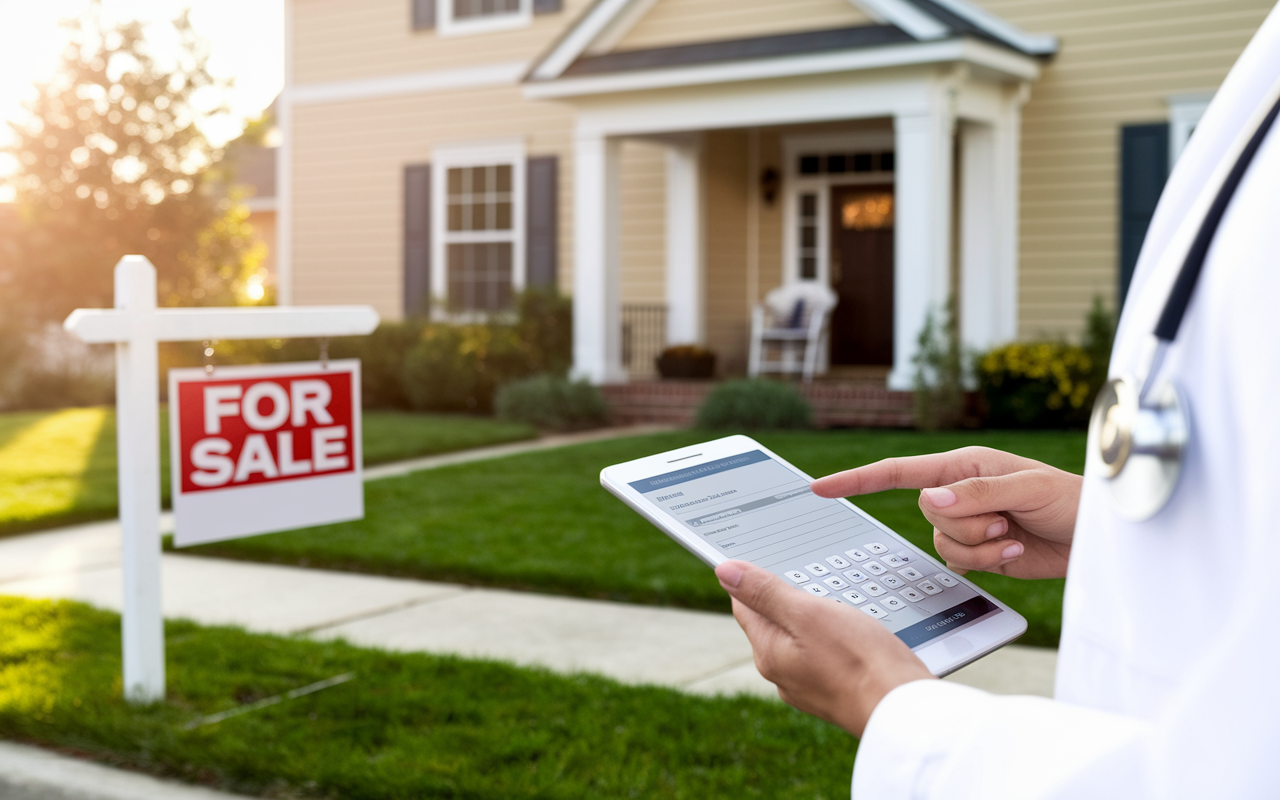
<point x="408" y="726"/>
<point x="59" y="467"/>
<point x="540" y="521"/>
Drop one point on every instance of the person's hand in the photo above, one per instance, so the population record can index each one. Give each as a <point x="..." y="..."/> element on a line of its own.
<point x="991" y="510"/>
<point x="826" y="659"/>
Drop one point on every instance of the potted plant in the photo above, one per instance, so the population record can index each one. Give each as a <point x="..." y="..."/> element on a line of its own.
<point x="686" y="361"/>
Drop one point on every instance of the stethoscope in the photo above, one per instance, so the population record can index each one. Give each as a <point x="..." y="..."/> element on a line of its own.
<point x="1140" y="426"/>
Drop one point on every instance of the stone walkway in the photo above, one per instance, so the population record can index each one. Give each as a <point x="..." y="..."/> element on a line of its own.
<point x="694" y="651"/>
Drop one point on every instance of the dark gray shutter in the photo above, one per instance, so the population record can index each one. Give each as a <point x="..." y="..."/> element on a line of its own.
<point x="417" y="240"/>
<point x="547" y="6"/>
<point x="424" y="14"/>
<point x="542" y="192"/>
<point x="1144" y="168"/>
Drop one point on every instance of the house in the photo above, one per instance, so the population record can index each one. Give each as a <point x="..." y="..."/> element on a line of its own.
<point x="668" y="162"/>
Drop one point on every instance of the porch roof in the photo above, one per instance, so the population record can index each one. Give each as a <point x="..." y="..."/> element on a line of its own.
<point x="901" y="23"/>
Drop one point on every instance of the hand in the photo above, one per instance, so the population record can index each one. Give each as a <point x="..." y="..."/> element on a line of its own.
<point x="826" y="659"/>
<point x="991" y="510"/>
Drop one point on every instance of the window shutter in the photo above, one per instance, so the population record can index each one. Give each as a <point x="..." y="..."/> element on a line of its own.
<point x="541" y="216"/>
<point x="417" y="240"/>
<point x="1144" y="168"/>
<point x="424" y="14"/>
<point x="547" y="6"/>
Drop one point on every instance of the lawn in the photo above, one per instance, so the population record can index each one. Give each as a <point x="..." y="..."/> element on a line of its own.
<point x="406" y="726"/>
<point x="540" y="521"/>
<point x="59" y="467"/>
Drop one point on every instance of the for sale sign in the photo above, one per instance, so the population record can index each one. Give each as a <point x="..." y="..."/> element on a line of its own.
<point x="264" y="448"/>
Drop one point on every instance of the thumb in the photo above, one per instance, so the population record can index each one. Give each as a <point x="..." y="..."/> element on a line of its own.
<point x="761" y="591"/>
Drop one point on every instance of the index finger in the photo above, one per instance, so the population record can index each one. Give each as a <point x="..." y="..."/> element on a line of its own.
<point x="917" y="472"/>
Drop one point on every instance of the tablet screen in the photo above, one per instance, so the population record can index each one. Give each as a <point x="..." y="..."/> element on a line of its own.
<point x="751" y="507"/>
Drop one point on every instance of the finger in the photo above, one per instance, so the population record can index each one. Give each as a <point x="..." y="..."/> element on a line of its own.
<point x="918" y="472"/>
<point x="986" y="557"/>
<point x="1017" y="491"/>
<point x="757" y="628"/>
<point x="968" y="530"/>
<point x="761" y="591"/>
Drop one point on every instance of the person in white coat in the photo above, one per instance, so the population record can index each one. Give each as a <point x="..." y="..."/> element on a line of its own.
<point x="1168" y="681"/>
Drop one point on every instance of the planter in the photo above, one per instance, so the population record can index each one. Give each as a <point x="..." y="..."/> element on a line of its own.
<point x="697" y="367"/>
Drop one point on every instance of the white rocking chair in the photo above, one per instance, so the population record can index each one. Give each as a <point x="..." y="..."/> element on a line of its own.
<point x="795" y="320"/>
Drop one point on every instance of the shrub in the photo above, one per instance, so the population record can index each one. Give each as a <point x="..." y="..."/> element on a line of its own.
<point x="755" y="405"/>
<point x="50" y="368"/>
<point x="1038" y="385"/>
<point x="551" y="401"/>
<point x="939" y="379"/>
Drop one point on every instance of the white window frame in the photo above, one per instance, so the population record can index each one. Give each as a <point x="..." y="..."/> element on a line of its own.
<point x="493" y="152"/>
<point x="447" y="25"/>
<point x="795" y="184"/>
<point x="1185" y="111"/>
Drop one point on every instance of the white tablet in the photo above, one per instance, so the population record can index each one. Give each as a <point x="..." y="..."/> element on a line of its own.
<point x="734" y="499"/>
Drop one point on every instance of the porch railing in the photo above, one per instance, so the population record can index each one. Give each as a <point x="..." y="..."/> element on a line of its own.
<point x="644" y="335"/>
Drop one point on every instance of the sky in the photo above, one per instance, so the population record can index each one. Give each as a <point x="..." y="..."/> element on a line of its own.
<point x="246" y="37"/>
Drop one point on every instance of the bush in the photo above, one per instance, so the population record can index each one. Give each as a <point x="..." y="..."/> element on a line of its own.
<point x="939" y="379"/>
<point x="551" y="401"/>
<point x="50" y="368"/>
<point x="1038" y="385"/>
<point x="755" y="405"/>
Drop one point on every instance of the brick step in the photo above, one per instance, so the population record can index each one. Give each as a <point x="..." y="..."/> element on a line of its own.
<point x="853" y="403"/>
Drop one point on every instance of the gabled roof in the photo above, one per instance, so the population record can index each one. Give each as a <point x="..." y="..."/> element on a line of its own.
<point x="898" y="22"/>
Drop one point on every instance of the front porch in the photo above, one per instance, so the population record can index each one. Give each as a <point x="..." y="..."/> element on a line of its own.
<point x="693" y="198"/>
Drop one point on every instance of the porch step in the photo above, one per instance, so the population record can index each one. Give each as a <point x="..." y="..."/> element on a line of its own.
<point x="836" y="403"/>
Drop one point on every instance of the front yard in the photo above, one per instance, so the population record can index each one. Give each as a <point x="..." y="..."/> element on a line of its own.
<point x="59" y="467"/>
<point x="541" y="521"/>
<point x="405" y="726"/>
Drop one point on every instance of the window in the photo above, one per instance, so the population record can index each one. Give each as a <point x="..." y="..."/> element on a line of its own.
<point x="808" y="238"/>
<point x="1185" y="111"/>
<point x="480" y="232"/>
<point x="844" y="163"/>
<point x="479" y="16"/>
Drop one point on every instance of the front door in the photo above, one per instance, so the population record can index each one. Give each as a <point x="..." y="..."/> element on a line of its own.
<point x="862" y="274"/>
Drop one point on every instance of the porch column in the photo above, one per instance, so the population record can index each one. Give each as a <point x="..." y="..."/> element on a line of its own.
<point x="597" y="305"/>
<point x="686" y="254"/>
<point x="989" y="229"/>
<point x="922" y="229"/>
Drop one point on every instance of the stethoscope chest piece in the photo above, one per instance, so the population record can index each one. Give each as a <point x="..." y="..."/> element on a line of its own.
<point x="1137" y="444"/>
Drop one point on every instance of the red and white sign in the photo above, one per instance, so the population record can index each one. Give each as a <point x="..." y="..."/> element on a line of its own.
<point x="264" y="448"/>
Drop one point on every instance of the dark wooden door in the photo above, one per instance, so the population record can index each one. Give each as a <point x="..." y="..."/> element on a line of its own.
<point x="862" y="274"/>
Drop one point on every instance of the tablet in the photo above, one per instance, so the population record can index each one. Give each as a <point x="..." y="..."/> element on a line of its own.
<point x="732" y="498"/>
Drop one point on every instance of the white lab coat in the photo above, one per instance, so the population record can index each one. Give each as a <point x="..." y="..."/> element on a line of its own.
<point x="1168" y="679"/>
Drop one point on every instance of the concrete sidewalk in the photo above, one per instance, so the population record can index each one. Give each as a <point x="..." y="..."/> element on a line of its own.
<point x="694" y="651"/>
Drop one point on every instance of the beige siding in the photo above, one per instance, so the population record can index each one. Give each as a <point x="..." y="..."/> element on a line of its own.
<point x="1119" y="61"/>
<point x="643" y="236"/>
<point x="340" y="40"/>
<point x="725" y="179"/>
<point x="349" y="161"/>
<point x="263" y="224"/>
<point x="672" y="22"/>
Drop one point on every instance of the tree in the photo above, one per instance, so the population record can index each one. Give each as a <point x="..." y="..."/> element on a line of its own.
<point x="111" y="162"/>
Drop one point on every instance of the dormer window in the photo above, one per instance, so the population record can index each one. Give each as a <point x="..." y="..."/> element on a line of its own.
<point x="460" y="17"/>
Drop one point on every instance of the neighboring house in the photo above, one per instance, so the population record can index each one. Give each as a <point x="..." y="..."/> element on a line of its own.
<point x="253" y="172"/>
<point x="674" y="160"/>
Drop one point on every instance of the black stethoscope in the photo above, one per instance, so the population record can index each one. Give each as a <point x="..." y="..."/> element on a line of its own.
<point x="1140" y="427"/>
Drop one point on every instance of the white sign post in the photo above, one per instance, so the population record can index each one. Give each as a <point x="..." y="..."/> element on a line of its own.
<point x="135" y="326"/>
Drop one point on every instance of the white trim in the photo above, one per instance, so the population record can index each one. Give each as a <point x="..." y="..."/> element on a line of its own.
<point x="794" y="184"/>
<point x="1185" y="111"/>
<point x="966" y="50"/>
<point x="440" y="80"/>
<point x="447" y="26"/>
<point x="619" y="27"/>
<point x="1034" y="43"/>
<point x="490" y="152"/>
<point x="578" y="39"/>
<point x="284" y="171"/>
<point x="906" y="16"/>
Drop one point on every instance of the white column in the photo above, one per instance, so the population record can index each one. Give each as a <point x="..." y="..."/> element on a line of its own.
<point x="686" y="253"/>
<point x="138" y="451"/>
<point x="597" y="305"/>
<point x="922" y="229"/>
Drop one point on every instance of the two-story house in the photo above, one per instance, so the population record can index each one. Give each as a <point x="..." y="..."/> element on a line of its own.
<point x="688" y="156"/>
